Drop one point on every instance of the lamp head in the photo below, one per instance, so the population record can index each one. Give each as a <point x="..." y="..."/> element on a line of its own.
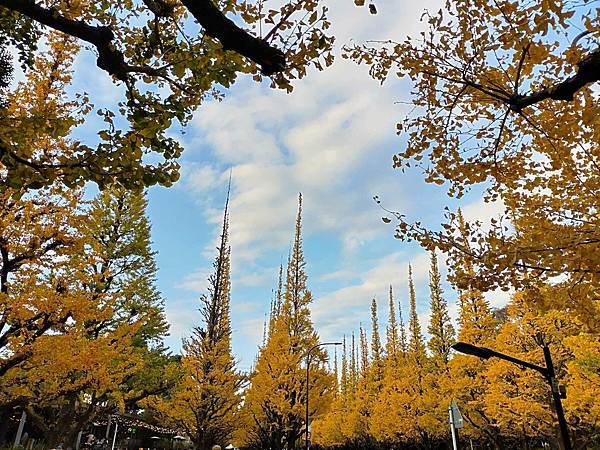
<point x="470" y="349"/>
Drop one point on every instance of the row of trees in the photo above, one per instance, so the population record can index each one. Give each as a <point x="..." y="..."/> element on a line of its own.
<point x="385" y="394"/>
<point x="505" y="101"/>
<point x="398" y="393"/>
<point x="214" y="402"/>
<point x="83" y="324"/>
<point x="504" y="98"/>
<point x="82" y="321"/>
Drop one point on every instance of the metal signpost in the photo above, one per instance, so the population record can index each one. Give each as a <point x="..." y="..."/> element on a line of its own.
<point x="78" y="440"/>
<point x="115" y="436"/>
<point x="20" y="429"/>
<point x="456" y="422"/>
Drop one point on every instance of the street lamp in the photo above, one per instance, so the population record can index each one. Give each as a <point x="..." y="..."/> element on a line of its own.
<point x="547" y="372"/>
<point x="308" y="354"/>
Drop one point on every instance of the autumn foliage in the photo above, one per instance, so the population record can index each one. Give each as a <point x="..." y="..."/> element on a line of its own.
<point x="164" y="58"/>
<point x="505" y="102"/>
<point x="399" y="397"/>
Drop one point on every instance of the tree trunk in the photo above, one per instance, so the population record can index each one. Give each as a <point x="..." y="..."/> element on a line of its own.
<point x="5" y="414"/>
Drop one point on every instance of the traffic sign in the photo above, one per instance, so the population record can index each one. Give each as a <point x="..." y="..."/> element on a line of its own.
<point x="456" y="418"/>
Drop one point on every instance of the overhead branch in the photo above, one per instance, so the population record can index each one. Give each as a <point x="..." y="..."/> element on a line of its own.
<point x="109" y="58"/>
<point x="209" y="16"/>
<point x="160" y="8"/>
<point x="588" y="71"/>
<point x="270" y="59"/>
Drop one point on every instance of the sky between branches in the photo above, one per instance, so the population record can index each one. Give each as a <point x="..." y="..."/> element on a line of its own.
<point x="332" y="139"/>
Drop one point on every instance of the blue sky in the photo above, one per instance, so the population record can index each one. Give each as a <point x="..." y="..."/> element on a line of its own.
<point x="331" y="139"/>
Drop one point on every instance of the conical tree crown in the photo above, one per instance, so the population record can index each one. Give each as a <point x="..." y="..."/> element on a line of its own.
<point x="392" y="344"/>
<point x="353" y="365"/>
<point x="344" y="382"/>
<point x="376" y="348"/>
<point x="118" y="232"/>
<point x="216" y="304"/>
<point x="205" y="401"/>
<point x="214" y="334"/>
<point x="275" y="403"/>
<point x="477" y="324"/>
<point x="364" y="351"/>
<point x="279" y="293"/>
<point x="297" y="298"/>
<point x="336" y="373"/>
<point x="402" y="337"/>
<point x="440" y="327"/>
<point x="416" y="343"/>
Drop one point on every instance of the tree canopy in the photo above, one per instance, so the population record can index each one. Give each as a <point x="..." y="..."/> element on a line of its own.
<point x="505" y="98"/>
<point x="164" y="56"/>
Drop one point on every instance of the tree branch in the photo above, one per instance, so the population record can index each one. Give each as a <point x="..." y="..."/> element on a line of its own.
<point x="102" y="37"/>
<point x="588" y="71"/>
<point x="270" y="59"/>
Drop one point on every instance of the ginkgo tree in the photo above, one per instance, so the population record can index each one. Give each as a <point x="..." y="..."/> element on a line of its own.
<point x="505" y="96"/>
<point x="165" y="57"/>
<point x="205" y="401"/>
<point x="273" y="413"/>
<point x="503" y="405"/>
<point x="39" y="289"/>
<point x="83" y="319"/>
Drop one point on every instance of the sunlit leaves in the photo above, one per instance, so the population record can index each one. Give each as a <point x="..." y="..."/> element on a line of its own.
<point x="172" y="64"/>
<point x="492" y="107"/>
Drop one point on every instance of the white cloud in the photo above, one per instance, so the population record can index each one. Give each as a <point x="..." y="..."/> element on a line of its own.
<point x="332" y="139"/>
<point x="343" y="274"/>
<point x="250" y="330"/>
<point x="196" y="281"/>
<point x="339" y="311"/>
<point x="183" y="316"/>
<point x="321" y="140"/>
<point x="483" y="212"/>
<point x="255" y="277"/>
<point x="201" y="178"/>
<point x="320" y="156"/>
<point x="498" y="298"/>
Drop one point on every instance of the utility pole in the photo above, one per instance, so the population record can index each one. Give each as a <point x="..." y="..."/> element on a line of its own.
<point x="556" y="397"/>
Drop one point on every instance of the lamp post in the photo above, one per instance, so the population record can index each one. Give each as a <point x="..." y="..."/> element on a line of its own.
<point x="308" y="354"/>
<point x="547" y="372"/>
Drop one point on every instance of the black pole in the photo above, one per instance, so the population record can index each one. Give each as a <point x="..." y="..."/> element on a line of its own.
<point x="560" y="413"/>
